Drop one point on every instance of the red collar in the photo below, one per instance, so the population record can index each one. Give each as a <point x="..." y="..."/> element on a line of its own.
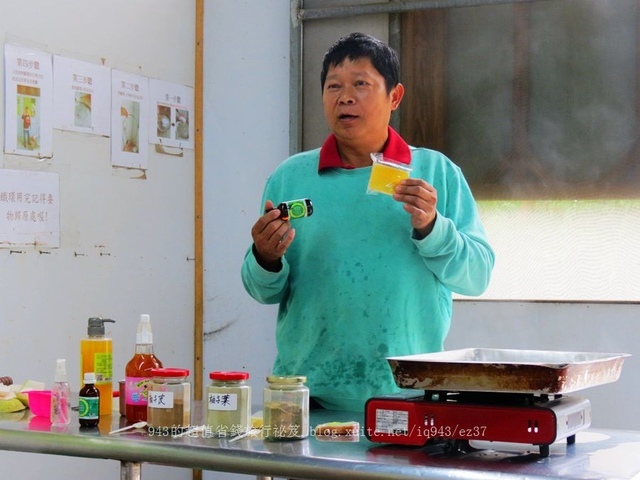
<point x="395" y="148"/>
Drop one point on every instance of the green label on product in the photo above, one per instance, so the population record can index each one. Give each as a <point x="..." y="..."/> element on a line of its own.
<point x="103" y="365"/>
<point x="89" y="408"/>
<point x="297" y="210"/>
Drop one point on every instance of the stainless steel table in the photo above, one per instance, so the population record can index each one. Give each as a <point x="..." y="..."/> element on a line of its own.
<point x="606" y="454"/>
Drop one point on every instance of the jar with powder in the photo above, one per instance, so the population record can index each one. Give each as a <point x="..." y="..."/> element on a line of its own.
<point x="228" y="404"/>
<point x="286" y="408"/>
<point x="169" y="399"/>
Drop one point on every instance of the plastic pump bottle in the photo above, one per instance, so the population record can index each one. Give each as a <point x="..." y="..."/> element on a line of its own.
<point x="60" y="396"/>
<point x="96" y="355"/>
<point x="138" y="373"/>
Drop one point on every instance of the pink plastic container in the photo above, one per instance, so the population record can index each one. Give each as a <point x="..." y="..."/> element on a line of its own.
<point x="40" y="402"/>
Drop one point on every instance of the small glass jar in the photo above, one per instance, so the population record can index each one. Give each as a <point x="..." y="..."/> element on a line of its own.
<point x="169" y="399"/>
<point x="286" y="408"/>
<point x="228" y="404"/>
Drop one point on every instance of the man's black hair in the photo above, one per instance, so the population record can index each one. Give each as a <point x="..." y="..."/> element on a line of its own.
<point x="358" y="45"/>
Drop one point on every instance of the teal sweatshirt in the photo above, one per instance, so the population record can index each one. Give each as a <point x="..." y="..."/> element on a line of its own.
<point x="355" y="286"/>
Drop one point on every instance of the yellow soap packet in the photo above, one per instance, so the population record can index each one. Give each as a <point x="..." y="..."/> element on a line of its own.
<point x="386" y="173"/>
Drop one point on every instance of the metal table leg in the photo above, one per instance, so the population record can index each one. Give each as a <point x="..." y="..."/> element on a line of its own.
<point x="130" y="471"/>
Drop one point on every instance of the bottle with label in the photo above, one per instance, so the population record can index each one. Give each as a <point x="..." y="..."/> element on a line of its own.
<point x="96" y="355"/>
<point x="89" y="402"/>
<point x="60" y="396"/>
<point x="138" y="373"/>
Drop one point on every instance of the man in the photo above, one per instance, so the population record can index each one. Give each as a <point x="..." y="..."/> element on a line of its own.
<point x="26" y="127"/>
<point x="366" y="276"/>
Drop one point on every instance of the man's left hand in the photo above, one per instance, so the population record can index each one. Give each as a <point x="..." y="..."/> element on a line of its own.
<point x="419" y="200"/>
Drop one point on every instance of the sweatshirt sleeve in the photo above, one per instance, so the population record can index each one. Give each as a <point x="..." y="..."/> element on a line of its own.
<point x="264" y="286"/>
<point x="457" y="250"/>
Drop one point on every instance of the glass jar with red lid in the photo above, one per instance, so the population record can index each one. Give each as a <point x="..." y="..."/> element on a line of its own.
<point x="169" y="400"/>
<point x="228" y="404"/>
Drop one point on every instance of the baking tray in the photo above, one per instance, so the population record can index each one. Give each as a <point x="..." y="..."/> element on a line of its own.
<point x="509" y="371"/>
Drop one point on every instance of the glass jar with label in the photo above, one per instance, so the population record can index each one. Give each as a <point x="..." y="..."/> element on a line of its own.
<point x="286" y="408"/>
<point x="169" y="399"/>
<point x="228" y="404"/>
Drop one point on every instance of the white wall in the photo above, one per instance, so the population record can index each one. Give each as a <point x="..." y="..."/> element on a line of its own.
<point x="246" y="118"/>
<point x="143" y="226"/>
<point x="246" y="131"/>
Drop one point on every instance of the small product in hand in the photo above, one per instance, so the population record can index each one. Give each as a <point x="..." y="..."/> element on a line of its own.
<point x="386" y="174"/>
<point x="295" y="209"/>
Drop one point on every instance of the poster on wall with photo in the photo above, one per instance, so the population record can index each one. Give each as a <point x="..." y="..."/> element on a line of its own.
<point x="81" y="96"/>
<point x="28" y="102"/>
<point x="171" y="106"/>
<point x="129" y="120"/>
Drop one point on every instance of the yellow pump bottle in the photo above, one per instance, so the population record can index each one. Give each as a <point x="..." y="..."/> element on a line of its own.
<point x="96" y="355"/>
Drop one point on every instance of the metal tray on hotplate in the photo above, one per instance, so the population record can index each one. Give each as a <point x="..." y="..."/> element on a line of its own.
<point x="506" y="371"/>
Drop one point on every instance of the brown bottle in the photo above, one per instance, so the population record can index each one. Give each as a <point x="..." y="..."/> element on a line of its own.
<point x="138" y="373"/>
<point x="89" y="402"/>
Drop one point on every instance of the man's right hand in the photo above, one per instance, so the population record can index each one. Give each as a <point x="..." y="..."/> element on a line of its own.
<point x="271" y="238"/>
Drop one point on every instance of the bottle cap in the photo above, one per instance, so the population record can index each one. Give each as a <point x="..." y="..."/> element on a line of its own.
<point x="288" y="380"/>
<point x="144" y="335"/>
<point x="170" y="372"/>
<point x="95" y="327"/>
<point x="61" y="370"/>
<point x="89" y="377"/>
<point x="229" y="376"/>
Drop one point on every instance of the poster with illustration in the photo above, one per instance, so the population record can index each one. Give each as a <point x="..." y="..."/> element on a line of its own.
<point x="129" y="120"/>
<point x="171" y="105"/>
<point x="81" y="96"/>
<point x="29" y="102"/>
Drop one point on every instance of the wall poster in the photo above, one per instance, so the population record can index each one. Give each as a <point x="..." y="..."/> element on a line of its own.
<point x="171" y="105"/>
<point x="82" y="96"/>
<point x="29" y="209"/>
<point x="28" y="102"/>
<point x="129" y="120"/>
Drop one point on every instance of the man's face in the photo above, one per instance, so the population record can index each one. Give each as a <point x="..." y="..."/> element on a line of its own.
<point x="356" y="104"/>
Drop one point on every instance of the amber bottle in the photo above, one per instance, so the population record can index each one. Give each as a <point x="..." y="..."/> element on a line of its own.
<point x="89" y="402"/>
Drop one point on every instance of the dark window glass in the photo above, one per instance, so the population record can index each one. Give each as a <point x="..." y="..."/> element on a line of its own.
<point x="532" y="100"/>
